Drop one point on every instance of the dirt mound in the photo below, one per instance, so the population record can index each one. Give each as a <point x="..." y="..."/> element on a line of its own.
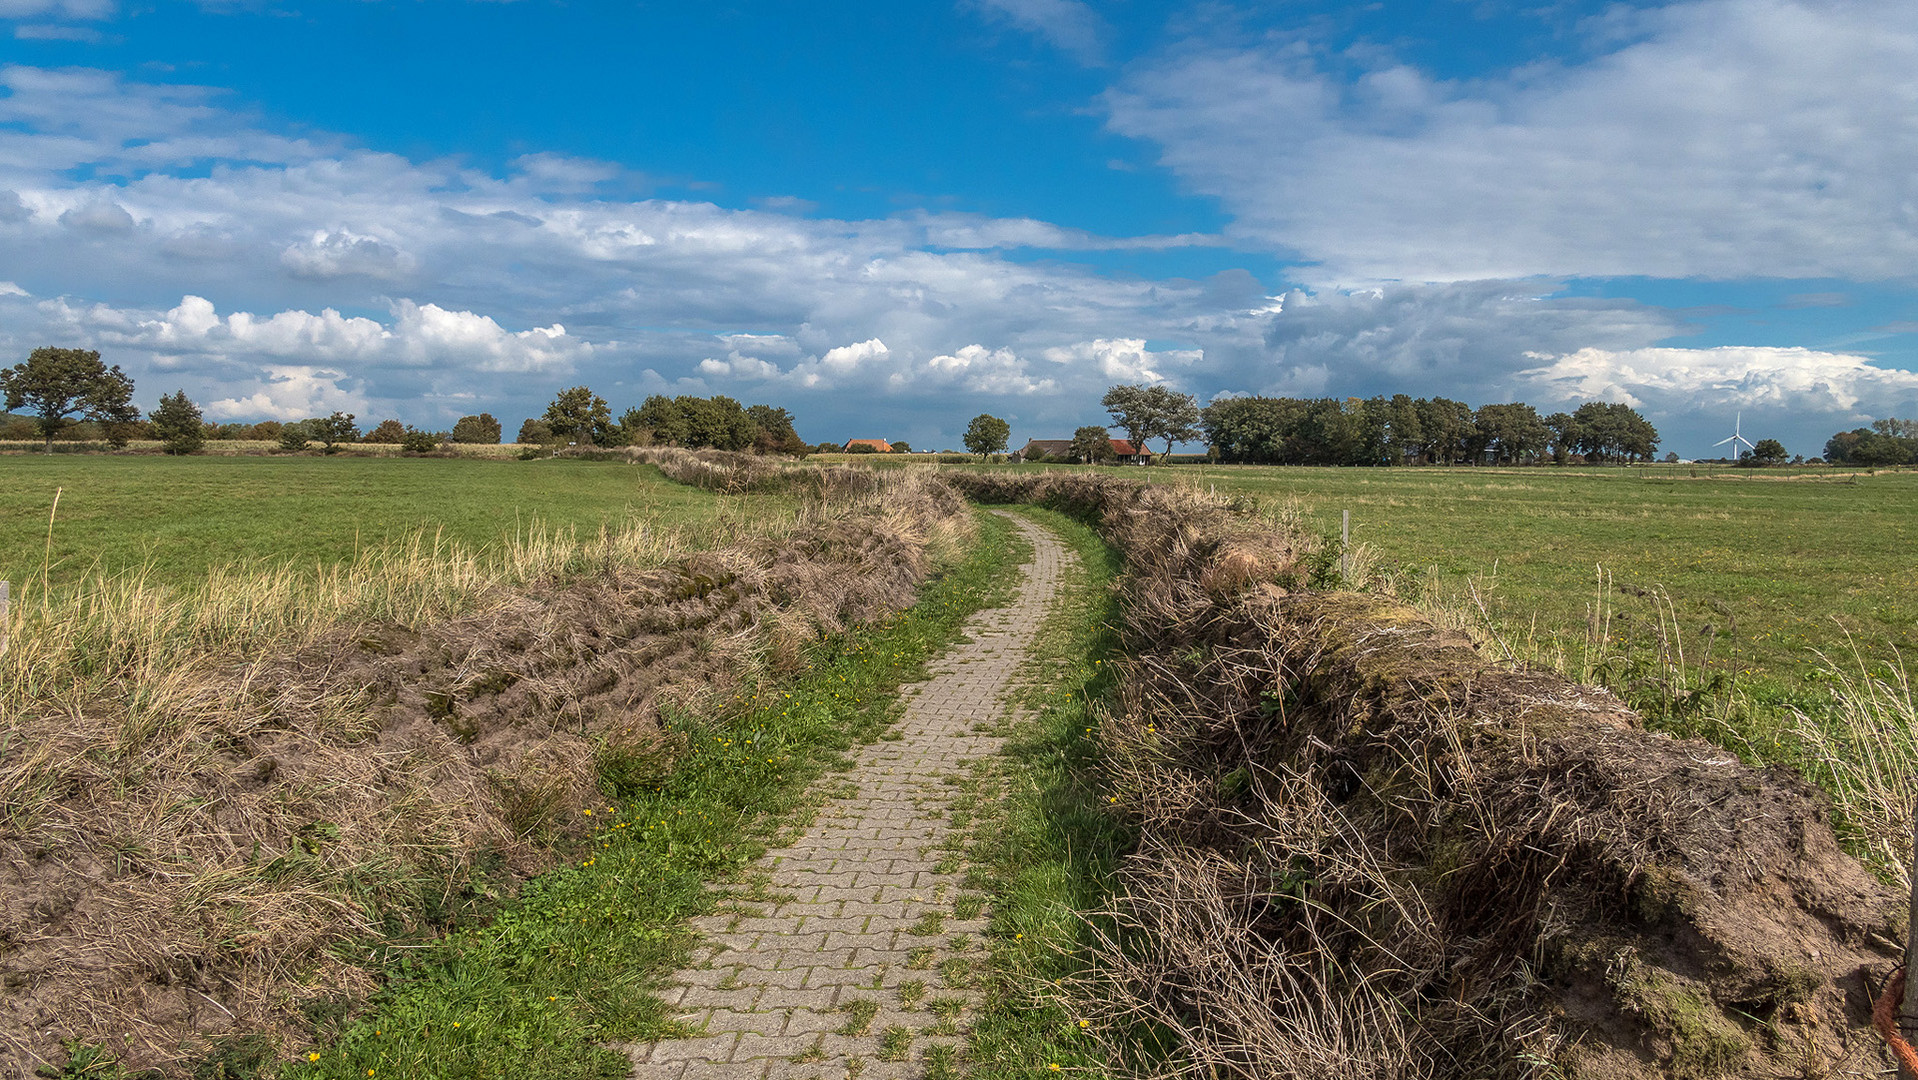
<point x="1367" y="850"/>
<point x="166" y="878"/>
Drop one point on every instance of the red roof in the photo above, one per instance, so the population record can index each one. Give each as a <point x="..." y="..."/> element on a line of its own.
<point x="880" y="445"/>
<point x="1123" y="448"/>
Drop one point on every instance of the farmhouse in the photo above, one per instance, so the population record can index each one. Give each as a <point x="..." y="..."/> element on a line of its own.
<point x="1061" y="450"/>
<point x="878" y="446"/>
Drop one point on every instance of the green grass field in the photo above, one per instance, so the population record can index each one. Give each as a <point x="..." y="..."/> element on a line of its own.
<point x="178" y="517"/>
<point x="1776" y="566"/>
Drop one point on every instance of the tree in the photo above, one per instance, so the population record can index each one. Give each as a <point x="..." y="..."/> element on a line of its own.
<point x="333" y="430"/>
<point x="1512" y="433"/>
<point x="1767" y="452"/>
<point x="987" y="434"/>
<point x="1614" y="431"/>
<point x="177" y="424"/>
<point x="387" y="431"/>
<point x="534" y="432"/>
<point x="477" y="430"/>
<point x="899" y="446"/>
<point x="661" y="417"/>
<point x="1564" y="436"/>
<point x="1153" y="412"/>
<point x="294" y="436"/>
<point x="776" y="434"/>
<point x="415" y="441"/>
<point x="581" y="416"/>
<point x="55" y="384"/>
<point x="1092" y="444"/>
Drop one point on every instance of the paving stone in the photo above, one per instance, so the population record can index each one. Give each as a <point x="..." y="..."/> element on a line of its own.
<point x="860" y="877"/>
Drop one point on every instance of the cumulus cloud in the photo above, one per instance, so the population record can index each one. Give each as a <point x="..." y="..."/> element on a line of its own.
<point x="1672" y="380"/>
<point x="1123" y="360"/>
<point x="290" y="393"/>
<point x="1722" y="138"/>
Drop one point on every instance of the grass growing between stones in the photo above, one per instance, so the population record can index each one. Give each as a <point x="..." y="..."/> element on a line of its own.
<point x="1042" y="845"/>
<point x="570" y="966"/>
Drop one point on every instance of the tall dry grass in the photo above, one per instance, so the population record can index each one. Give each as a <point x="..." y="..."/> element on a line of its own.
<point x="207" y="791"/>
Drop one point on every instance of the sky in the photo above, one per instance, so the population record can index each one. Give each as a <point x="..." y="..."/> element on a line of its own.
<point x="890" y="217"/>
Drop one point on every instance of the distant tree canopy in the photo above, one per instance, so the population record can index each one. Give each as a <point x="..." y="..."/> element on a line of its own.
<point x="386" y="431"/>
<point x="1401" y="429"/>
<point x="1092" y="444"/>
<point x="581" y="416"/>
<point x="987" y="434"/>
<point x="1766" y="452"/>
<point x="56" y="384"/>
<point x="716" y="423"/>
<point x="333" y="430"/>
<point x="177" y="424"/>
<point x="1885" y="442"/>
<point x="477" y="430"/>
<point x="1152" y="412"/>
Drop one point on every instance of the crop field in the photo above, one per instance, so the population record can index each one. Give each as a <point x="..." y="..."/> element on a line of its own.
<point x="174" y="519"/>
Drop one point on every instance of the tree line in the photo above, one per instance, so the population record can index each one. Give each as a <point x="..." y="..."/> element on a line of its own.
<point x="1435" y="431"/>
<point x="63" y="389"/>
<point x="719" y="422"/>
<point x="1885" y="442"/>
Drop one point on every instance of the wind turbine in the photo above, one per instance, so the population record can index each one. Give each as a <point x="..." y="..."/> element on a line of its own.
<point x="1736" y="439"/>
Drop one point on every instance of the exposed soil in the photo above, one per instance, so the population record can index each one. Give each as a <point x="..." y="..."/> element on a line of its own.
<point x="1368" y="850"/>
<point x="244" y="865"/>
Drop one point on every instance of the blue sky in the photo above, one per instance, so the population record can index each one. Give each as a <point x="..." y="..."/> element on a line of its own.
<point x="891" y="217"/>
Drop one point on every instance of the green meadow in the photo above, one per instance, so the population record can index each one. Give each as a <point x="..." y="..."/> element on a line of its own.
<point x="1764" y="570"/>
<point x="176" y="518"/>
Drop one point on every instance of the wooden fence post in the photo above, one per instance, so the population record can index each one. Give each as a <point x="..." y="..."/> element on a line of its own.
<point x="1345" y="545"/>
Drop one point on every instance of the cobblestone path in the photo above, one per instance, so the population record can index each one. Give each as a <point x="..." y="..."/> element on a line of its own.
<point x="857" y="966"/>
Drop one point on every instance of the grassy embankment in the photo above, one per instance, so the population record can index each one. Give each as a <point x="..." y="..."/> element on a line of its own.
<point x="1768" y="612"/>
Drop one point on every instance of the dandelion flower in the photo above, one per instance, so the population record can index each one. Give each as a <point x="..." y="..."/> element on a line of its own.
<point x="314" y="1056"/>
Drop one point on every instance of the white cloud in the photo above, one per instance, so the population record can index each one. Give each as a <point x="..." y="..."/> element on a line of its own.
<point x="100" y="215"/>
<point x="53" y="32"/>
<point x="59" y="9"/>
<point x="8" y="288"/>
<point x="1123" y="360"/>
<point x="1070" y="25"/>
<point x="290" y="393"/>
<point x="1725" y="138"/>
<point x="1727" y="378"/>
<point x="332" y="253"/>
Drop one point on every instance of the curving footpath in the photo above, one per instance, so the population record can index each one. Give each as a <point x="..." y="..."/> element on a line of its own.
<point x="857" y="964"/>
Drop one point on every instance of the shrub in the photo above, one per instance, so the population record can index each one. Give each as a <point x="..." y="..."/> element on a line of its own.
<point x="477" y="429"/>
<point x="387" y="431"/>
<point x="415" y="441"/>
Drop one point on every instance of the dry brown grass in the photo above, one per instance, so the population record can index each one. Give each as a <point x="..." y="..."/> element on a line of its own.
<point x="1368" y="850"/>
<point x="205" y="794"/>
